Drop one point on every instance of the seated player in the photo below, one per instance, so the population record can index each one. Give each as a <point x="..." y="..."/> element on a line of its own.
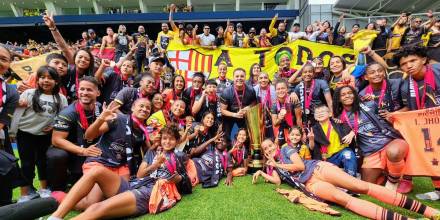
<point x="330" y="141"/>
<point x="239" y="154"/>
<point x="125" y="198"/>
<point x="295" y="142"/>
<point x="322" y="179"/>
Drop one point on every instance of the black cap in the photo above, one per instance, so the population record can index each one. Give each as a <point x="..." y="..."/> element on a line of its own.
<point x="157" y="59"/>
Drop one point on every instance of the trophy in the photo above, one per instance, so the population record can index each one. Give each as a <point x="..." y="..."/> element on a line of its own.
<point x="255" y="128"/>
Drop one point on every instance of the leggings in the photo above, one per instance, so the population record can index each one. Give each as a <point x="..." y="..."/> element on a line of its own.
<point x="32" y="150"/>
<point x="326" y="177"/>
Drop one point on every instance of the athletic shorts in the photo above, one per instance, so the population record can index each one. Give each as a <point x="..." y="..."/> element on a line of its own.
<point x="121" y="171"/>
<point x="142" y="195"/>
<point x="377" y="160"/>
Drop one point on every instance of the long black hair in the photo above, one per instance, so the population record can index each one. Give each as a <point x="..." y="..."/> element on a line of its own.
<point x="337" y="105"/>
<point x="90" y="70"/>
<point x="55" y="91"/>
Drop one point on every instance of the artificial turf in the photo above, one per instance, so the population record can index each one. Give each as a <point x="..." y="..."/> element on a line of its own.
<point x="246" y="201"/>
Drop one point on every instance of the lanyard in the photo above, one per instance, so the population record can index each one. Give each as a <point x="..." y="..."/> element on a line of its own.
<point x="324" y="149"/>
<point x="382" y="92"/>
<point x="345" y="119"/>
<point x="267" y="100"/>
<point x="308" y="98"/>
<point x="237" y="98"/>
<point x="171" y="166"/>
<point x="142" y="127"/>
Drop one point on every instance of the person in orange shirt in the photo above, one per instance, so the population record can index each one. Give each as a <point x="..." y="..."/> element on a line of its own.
<point x="229" y="33"/>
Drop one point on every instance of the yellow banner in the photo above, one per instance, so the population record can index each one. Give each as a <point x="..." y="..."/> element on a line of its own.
<point x="26" y="67"/>
<point x="420" y="129"/>
<point x="187" y="59"/>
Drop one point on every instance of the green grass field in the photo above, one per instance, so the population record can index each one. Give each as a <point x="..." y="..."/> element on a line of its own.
<point x="246" y="201"/>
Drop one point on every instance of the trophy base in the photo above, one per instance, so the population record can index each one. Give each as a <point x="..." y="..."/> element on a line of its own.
<point x="254" y="166"/>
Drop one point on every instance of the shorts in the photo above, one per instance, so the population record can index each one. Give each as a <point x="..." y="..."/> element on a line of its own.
<point x="121" y="171"/>
<point x="377" y="160"/>
<point x="142" y="195"/>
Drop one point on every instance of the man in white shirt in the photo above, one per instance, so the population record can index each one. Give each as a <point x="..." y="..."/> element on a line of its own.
<point x="206" y="39"/>
<point x="296" y="34"/>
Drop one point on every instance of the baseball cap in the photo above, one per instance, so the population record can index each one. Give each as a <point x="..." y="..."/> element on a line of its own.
<point x="156" y="59"/>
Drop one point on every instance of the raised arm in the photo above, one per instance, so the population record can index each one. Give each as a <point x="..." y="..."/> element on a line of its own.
<point x="67" y="51"/>
<point x="173" y="25"/>
<point x="272" y="29"/>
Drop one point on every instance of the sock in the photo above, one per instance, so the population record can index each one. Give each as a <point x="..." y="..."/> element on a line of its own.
<point x="395" y="168"/>
<point x="371" y="210"/>
<point x="397" y="199"/>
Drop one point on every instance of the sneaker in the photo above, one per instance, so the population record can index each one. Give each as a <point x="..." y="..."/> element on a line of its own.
<point x="44" y="193"/>
<point x="30" y="196"/>
<point x="405" y="186"/>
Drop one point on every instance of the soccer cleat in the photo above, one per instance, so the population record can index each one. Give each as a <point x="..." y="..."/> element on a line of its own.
<point x="405" y="186"/>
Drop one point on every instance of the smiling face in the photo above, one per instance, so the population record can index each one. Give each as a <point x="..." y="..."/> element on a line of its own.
<point x="269" y="148"/>
<point x="239" y="77"/>
<point x="147" y="85"/>
<point x="347" y="96"/>
<point x="168" y="142"/>
<point x="164" y="27"/>
<point x="241" y="136"/>
<point x="82" y="60"/>
<point x="5" y="60"/>
<point x="281" y="90"/>
<point x="285" y="62"/>
<point x="307" y="73"/>
<point x="46" y="82"/>
<point x="221" y="144"/>
<point x="256" y="70"/>
<point x="222" y="70"/>
<point x="263" y="80"/>
<point x="178" y="108"/>
<point x="87" y="92"/>
<point x="375" y="73"/>
<point x="336" y="65"/>
<point x="322" y="114"/>
<point x="157" y="101"/>
<point x="141" y="109"/>
<point x="179" y="83"/>
<point x="208" y="120"/>
<point x="295" y="136"/>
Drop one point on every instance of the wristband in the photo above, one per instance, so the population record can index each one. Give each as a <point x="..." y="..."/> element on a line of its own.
<point x="53" y="29"/>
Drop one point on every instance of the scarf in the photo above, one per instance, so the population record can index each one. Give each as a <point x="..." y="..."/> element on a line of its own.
<point x="82" y="114"/>
<point x="142" y="127"/>
<point x="429" y="89"/>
